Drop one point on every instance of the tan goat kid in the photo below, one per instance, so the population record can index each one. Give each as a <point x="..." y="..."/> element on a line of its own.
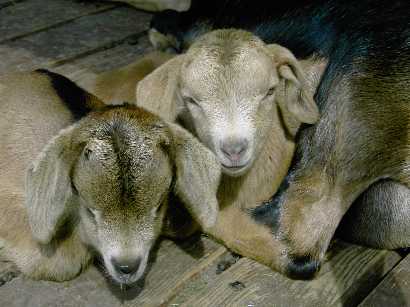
<point x="244" y="100"/>
<point x="99" y="179"/>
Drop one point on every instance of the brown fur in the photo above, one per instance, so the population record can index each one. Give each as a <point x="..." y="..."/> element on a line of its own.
<point x="119" y="85"/>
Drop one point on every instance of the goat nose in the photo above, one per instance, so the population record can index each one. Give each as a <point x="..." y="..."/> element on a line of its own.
<point x="128" y="266"/>
<point x="234" y="149"/>
<point x="302" y="268"/>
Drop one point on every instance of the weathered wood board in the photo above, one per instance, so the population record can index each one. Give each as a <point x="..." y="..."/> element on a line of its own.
<point x="21" y="19"/>
<point x="173" y="266"/>
<point x="91" y="65"/>
<point x="80" y="37"/>
<point x="345" y="279"/>
<point x="394" y="290"/>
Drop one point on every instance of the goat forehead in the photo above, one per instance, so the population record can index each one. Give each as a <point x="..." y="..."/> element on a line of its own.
<point x="138" y="194"/>
<point x="240" y="73"/>
<point x="141" y="164"/>
<point x="133" y="165"/>
<point x="133" y="144"/>
<point x="130" y="154"/>
<point x="135" y="196"/>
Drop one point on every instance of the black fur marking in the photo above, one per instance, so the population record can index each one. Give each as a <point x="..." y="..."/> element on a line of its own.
<point x="74" y="97"/>
<point x="120" y="136"/>
<point x="303" y="26"/>
<point x="268" y="213"/>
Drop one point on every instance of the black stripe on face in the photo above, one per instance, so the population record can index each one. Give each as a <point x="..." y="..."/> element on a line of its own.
<point x="268" y="213"/>
<point x="73" y="96"/>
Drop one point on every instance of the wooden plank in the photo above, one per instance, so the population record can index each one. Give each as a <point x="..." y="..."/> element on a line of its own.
<point x="172" y="264"/>
<point x="394" y="290"/>
<point x="91" y="65"/>
<point x="33" y="16"/>
<point x="174" y="267"/>
<point x="348" y="276"/>
<point x="78" y="38"/>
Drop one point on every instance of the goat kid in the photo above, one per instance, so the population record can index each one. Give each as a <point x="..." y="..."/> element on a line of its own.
<point x="244" y="100"/>
<point x="78" y="176"/>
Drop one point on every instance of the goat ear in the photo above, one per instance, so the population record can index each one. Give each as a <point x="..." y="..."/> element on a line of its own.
<point x="158" y="93"/>
<point x="49" y="193"/>
<point x="197" y="176"/>
<point x="298" y="96"/>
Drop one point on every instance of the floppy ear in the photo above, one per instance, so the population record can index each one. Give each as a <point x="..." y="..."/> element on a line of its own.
<point x="298" y="97"/>
<point x="49" y="193"/>
<point x="158" y="92"/>
<point x="197" y="176"/>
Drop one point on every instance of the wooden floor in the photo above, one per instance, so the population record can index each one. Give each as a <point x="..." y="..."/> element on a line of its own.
<point x="82" y="38"/>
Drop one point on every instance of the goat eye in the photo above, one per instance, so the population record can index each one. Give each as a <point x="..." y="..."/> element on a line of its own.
<point x="87" y="153"/>
<point x="270" y="92"/>
<point x="190" y="100"/>
<point x="160" y="207"/>
<point x="75" y="191"/>
<point x="91" y="213"/>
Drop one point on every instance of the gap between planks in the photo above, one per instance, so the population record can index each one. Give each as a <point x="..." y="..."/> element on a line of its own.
<point x="195" y="271"/>
<point x="79" y="38"/>
<point x="392" y="289"/>
<point x="350" y="273"/>
<point x="59" y="23"/>
<point x="111" y="45"/>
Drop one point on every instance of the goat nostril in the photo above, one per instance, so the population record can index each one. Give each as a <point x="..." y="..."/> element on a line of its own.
<point x="126" y="266"/>
<point x="302" y="268"/>
<point x="225" y="151"/>
<point x="234" y="150"/>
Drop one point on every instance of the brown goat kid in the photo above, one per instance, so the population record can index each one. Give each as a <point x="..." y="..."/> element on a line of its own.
<point x="96" y="176"/>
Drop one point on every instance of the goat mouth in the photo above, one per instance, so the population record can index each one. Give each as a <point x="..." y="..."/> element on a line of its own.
<point x="126" y="280"/>
<point x="235" y="169"/>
